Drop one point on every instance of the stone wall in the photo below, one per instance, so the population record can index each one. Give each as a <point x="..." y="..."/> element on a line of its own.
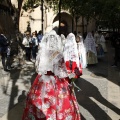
<point x="6" y="21"/>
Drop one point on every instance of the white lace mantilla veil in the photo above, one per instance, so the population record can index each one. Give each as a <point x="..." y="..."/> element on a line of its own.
<point x="102" y="38"/>
<point x="82" y="50"/>
<point x="90" y="43"/>
<point x="70" y="50"/>
<point x="49" y="54"/>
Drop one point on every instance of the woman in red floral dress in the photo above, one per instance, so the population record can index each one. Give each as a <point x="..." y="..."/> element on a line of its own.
<point x="51" y="96"/>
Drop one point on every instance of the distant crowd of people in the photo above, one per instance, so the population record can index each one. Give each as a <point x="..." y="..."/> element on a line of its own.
<point x="90" y="47"/>
<point x="58" y="61"/>
<point x="31" y="44"/>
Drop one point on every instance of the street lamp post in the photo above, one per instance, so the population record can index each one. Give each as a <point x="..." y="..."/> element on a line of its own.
<point x="42" y="15"/>
<point x="73" y="23"/>
<point x="59" y="30"/>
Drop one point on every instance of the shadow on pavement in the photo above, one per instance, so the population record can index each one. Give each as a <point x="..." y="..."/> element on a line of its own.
<point x="26" y="80"/>
<point x="89" y="90"/>
<point x="33" y="78"/>
<point x="22" y="96"/>
<point x="14" y="76"/>
<point x="104" y="69"/>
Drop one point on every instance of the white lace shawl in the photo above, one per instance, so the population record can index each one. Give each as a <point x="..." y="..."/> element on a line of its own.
<point x="102" y="38"/>
<point x="90" y="44"/>
<point x="50" y="56"/>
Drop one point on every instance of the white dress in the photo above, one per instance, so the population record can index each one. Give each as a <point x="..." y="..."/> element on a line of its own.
<point x="91" y="49"/>
<point x="103" y="43"/>
<point x="82" y="54"/>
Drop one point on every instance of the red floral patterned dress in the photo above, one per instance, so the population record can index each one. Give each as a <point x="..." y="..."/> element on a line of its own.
<point x="51" y="98"/>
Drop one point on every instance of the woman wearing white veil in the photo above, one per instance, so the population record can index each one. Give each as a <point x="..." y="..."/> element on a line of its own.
<point x="71" y="57"/>
<point x="90" y="49"/>
<point x="51" y="96"/>
<point x="81" y="51"/>
<point x="103" y="43"/>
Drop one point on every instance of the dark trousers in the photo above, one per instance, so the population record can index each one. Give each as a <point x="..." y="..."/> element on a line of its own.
<point x="28" y="53"/>
<point x="34" y="51"/>
<point x="5" y="60"/>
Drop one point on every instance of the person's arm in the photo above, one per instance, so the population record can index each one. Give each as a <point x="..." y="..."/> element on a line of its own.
<point x="24" y="41"/>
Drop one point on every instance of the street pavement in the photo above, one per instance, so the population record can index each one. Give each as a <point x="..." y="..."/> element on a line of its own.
<point x="99" y="98"/>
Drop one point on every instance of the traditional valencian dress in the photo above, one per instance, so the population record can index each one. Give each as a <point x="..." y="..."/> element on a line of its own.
<point x="99" y="47"/>
<point x="82" y="52"/>
<point x="51" y="96"/>
<point x="103" y="43"/>
<point x="90" y="49"/>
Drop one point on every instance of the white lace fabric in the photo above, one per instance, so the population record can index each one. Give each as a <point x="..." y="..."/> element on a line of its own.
<point x="50" y="56"/>
<point x="70" y="50"/>
<point x="82" y="52"/>
<point x="90" y="44"/>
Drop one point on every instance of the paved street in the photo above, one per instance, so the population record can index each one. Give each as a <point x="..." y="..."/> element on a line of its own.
<point x="99" y="98"/>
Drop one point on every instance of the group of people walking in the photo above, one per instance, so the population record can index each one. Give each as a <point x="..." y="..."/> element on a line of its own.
<point x="31" y="44"/>
<point x="59" y="60"/>
<point x="51" y="96"/>
<point x="91" y="48"/>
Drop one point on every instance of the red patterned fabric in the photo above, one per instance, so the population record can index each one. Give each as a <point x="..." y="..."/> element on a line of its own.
<point x="72" y="68"/>
<point x="51" y="100"/>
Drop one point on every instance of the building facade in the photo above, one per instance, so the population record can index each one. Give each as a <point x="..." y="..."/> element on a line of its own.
<point x="7" y="25"/>
<point x="36" y="20"/>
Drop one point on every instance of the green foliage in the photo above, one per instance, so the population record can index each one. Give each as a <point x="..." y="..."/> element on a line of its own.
<point x="31" y="4"/>
<point x="105" y="12"/>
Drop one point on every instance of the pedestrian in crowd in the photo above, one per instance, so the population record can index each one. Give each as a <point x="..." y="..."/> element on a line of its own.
<point x="39" y="36"/>
<point x="99" y="48"/>
<point x="5" y="52"/>
<point x="36" y="33"/>
<point x="34" y="46"/>
<point x="117" y="52"/>
<point x="51" y="96"/>
<point x="90" y="49"/>
<point x="27" y="42"/>
<point x="97" y="37"/>
<point x="71" y="56"/>
<point x="100" y="51"/>
<point x="81" y="51"/>
<point x="103" y="42"/>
